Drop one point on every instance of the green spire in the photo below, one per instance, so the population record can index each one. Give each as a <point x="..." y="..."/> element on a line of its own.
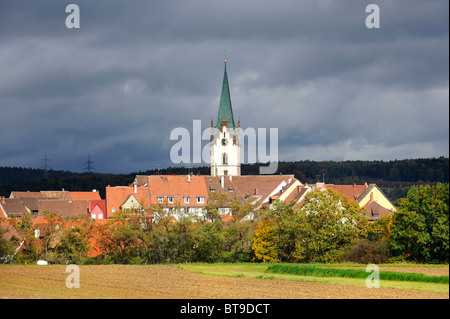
<point x="225" y="109"/>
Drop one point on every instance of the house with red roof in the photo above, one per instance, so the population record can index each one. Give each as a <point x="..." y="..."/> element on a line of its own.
<point x="11" y="207"/>
<point x="370" y="197"/>
<point x="66" y="203"/>
<point x="118" y="198"/>
<point x="191" y="193"/>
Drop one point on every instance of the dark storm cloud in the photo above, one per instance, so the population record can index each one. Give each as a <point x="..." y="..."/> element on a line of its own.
<point x="135" y="70"/>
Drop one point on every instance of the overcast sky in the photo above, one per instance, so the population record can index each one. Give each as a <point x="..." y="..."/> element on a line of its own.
<point x="116" y="87"/>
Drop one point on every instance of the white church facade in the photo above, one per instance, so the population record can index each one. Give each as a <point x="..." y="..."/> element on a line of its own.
<point x="225" y="140"/>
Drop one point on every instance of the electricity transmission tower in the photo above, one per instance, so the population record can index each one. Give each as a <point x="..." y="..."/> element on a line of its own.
<point x="88" y="165"/>
<point x="46" y="166"/>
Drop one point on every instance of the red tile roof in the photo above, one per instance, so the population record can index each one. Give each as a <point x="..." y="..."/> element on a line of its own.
<point x="85" y="195"/>
<point x="25" y="194"/>
<point x="375" y="210"/>
<point x="350" y="191"/>
<point x="177" y="185"/>
<point x="11" y="206"/>
<point x="65" y="208"/>
<point x="116" y="196"/>
<point x="246" y="186"/>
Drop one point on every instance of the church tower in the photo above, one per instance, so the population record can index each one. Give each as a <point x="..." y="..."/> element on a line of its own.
<point x="225" y="139"/>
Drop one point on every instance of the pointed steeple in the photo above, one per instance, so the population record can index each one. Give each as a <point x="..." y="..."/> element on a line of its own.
<point x="225" y="109"/>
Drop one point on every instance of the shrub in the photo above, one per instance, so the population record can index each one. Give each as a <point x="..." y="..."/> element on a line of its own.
<point x="367" y="252"/>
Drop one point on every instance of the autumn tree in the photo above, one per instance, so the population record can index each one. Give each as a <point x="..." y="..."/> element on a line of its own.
<point x="120" y="238"/>
<point x="276" y="234"/>
<point x="263" y="243"/>
<point x="327" y="222"/>
<point x="30" y="248"/>
<point x="74" y="245"/>
<point x="6" y="247"/>
<point x="50" y="229"/>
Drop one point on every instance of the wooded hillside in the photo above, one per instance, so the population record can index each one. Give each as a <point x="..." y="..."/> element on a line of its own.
<point x="394" y="177"/>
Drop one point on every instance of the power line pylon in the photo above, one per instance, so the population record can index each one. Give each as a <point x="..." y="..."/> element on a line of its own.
<point x="46" y="166"/>
<point x="88" y="165"/>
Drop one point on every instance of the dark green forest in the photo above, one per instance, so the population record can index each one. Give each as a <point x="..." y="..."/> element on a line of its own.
<point x="395" y="177"/>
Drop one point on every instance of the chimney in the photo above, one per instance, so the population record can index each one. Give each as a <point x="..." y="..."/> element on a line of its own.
<point x="365" y="184"/>
<point x="231" y="178"/>
<point x="135" y="188"/>
<point x="320" y="185"/>
<point x="189" y="178"/>
<point x="354" y="186"/>
<point x="3" y="200"/>
<point x="371" y="196"/>
<point x="222" y="181"/>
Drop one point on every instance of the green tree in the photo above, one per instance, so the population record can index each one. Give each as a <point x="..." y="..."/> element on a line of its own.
<point x="121" y="239"/>
<point x="327" y="223"/>
<point x="420" y="227"/>
<point x="209" y="242"/>
<point x="49" y="232"/>
<point x="6" y="247"/>
<point x="30" y="245"/>
<point x="284" y="221"/>
<point x="74" y="245"/>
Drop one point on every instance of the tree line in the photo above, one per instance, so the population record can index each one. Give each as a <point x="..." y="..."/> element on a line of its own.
<point x="326" y="228"/>
<point x="395" y="177"/>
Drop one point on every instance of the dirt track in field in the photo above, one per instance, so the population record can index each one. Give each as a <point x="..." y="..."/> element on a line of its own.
<point x="170" y="282"/>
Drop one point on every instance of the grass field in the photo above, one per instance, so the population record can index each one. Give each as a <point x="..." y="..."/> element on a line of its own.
<point x="402" y="276"/>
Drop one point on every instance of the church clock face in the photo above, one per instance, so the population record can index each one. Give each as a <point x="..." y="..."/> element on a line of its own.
<point x="224" y="141"/>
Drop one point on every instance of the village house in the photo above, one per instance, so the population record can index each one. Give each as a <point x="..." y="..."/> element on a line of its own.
<point x="65" y="203"/>
<point x="368" y="196"/>
<point x="126" y="198"/>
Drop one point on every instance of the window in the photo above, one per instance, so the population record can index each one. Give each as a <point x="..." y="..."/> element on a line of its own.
<point x="224" y="158"/>
<point x="186" y="200"/>
<point x="200" y="200"/>
<point x="170" y="200"/>
<point x="160" y="200"/>
<point x="225" y="172"/>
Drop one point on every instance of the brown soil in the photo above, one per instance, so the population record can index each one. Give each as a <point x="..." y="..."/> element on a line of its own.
<point x="170" y="282"/>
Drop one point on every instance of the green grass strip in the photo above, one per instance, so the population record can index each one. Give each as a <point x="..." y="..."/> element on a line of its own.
<point x="302" y="270"/>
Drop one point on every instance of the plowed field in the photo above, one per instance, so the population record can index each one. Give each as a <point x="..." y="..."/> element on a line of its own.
<point x="171" y="282"/>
